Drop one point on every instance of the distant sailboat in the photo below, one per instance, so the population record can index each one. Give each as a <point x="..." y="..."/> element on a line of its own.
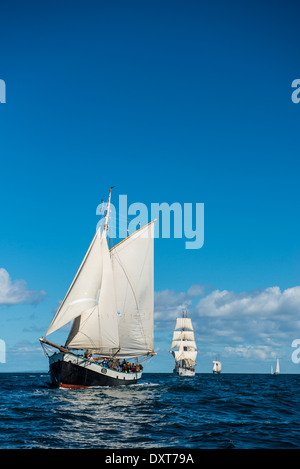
<point x="277" y="370"/>
<point x="217" y="367"/>
<point x="184" y="340"/>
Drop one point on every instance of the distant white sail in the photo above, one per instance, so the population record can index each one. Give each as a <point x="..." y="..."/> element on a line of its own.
<point x="184" y="335"/>
<point x="188" y="344"/>
<point x="277" y="367"/>
<point x="183" y="323"/>
<point x="217" y="366"/>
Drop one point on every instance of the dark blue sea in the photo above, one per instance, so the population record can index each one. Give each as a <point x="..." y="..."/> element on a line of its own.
<point x="238" y="411"/>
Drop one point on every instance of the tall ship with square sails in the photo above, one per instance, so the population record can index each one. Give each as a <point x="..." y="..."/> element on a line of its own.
<point x="184" y="341"/>
<point x="111" y="303"/>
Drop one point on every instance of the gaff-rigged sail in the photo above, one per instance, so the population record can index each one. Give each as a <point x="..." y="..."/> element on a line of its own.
<point x="133" y="269"/>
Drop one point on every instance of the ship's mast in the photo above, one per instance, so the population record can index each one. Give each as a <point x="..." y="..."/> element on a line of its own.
<point x="105" y="227"/>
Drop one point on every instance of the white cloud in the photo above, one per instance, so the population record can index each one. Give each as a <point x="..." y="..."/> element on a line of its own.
<point x="262" y="352"/>
<point x="196" y="290"/>
<point x="16" y="292"/>
<point x="256" y="317"/>
<point x="263" y="303"/>
<point x="169" y="304"/>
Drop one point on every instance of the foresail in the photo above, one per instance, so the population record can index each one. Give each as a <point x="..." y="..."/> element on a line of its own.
<point x="83" y="292"/>
<point x="133" y="269"/>
<point x="97" y="328"/>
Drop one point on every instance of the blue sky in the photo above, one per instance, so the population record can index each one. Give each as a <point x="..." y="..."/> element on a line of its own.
<point x="170" y="102"/>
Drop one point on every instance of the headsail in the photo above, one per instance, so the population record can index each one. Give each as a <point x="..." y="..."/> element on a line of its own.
<point x="82" y="294"/>
<point x="97" y="327"/>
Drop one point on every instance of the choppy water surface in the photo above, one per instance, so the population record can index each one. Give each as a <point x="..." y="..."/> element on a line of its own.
<point x="162" y="410"/>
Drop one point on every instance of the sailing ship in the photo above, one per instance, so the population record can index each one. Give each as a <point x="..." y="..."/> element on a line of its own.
<point x="111" y="303"/>
<point x="217" y="367"/>
<point x="184" y="341"/>
<point x="277" y="370"/>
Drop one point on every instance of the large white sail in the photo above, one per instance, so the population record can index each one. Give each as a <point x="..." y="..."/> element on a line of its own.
<point x="132" y="263"/>
<point x="82" y="294"/>
<point x="97" y="328"/>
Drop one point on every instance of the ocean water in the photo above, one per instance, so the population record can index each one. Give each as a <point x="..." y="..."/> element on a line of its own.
<point x="242" y="411"/>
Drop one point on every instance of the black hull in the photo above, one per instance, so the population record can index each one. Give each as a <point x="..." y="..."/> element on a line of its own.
<point x="71" y="375"/>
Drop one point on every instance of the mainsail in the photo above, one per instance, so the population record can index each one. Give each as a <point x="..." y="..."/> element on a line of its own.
<point x="184" y="340"/>
<point x="111" y="298"/>
<point x="132" y="264"/>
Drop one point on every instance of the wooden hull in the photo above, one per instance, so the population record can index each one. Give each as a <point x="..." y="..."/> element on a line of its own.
<point x="71" y="371"/>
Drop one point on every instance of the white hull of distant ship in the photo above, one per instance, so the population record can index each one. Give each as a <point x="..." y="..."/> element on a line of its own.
<point x="183" y="370"/>
<point x="111" y="303"/>
<point x="184" y="341"/>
